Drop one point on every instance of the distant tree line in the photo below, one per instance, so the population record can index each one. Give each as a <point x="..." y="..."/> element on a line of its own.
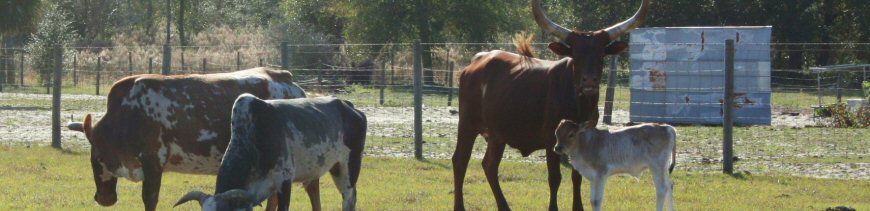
<point x="97" y="22"/>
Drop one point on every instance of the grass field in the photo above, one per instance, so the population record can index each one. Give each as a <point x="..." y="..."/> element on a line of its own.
<point x="42" y="178"/>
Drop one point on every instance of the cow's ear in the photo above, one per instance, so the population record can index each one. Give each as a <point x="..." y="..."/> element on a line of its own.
<point x="615" y="47"/>
<point x="560" y="49"/>
<point x="87" y="128"/>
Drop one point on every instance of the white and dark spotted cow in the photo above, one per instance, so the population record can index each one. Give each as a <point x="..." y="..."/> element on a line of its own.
<point x="156" y="123"/>
<point x="278" y="142"/>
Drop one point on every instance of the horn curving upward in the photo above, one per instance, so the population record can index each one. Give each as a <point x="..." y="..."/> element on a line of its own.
<point x="547" y="24"/>
<point x="624" y="27"/>
<point x="193" y="195"/>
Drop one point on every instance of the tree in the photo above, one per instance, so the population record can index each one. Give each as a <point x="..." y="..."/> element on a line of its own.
<point x="53" y="30"/>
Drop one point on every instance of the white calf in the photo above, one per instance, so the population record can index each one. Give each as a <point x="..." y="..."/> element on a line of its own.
<point x="597" y="154"/>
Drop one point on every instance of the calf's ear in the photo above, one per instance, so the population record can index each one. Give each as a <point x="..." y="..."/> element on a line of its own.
<point x="86" y="127"/>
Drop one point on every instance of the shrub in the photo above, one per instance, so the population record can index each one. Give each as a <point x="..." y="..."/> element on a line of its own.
<point x="842" y="117"/>
<point x="54" y="29"/>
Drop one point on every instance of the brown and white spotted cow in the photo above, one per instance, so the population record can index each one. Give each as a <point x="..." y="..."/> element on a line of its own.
<point x="156" y="123"/>
<point x="277" y="142"/>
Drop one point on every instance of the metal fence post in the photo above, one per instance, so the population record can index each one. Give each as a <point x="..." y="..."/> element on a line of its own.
<point x="55" y="97"/>
<point x="392" y="66"/>
<point x="261" y="62"/>
<point x="418" y="101"/>
<point x="238" y="60"/>
<point x="728" y="118"/>
<point x="611" y="90"/>
<point x="167" y="59"/>
<point x="383" y="81"/>
<point x="285" y="56"/>
<point x="839" y="87"/>
<point x="150" y="64"/>
<point x="203" y="65"/>
<point x="99" y="66"/>
<point x="450" y="85"/>
<point x="183" y="65"/>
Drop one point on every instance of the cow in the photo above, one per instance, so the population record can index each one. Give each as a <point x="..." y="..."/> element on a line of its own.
<point x="517" y="100"/>
<point x="156" y="123"/>
<point x="598" y="154"/>
<point x="277" y="142"/>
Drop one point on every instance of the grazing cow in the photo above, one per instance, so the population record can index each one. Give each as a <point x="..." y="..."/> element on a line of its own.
<point x="598" y="154"/>
<point x="516" y="100"/>
<point x="277" y="142"/>
<point x="156" y="123"/>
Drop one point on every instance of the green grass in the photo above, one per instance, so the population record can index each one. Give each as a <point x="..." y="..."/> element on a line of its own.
<point x="41" y="178"/>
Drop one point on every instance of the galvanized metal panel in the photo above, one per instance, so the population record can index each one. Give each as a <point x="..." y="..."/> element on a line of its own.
<point x="677" y="74"/>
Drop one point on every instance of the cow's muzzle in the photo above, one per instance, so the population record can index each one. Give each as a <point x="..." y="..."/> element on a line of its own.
<point x="106" y="200"/>
<point x="589" y="90"/>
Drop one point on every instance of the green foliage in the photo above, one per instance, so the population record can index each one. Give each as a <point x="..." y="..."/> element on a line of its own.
<point x="53" y="30"/>
<point x="18" y="16"/>
<point x="843" y="117"/>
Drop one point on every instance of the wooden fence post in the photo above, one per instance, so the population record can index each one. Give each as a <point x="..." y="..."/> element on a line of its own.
<point x="383" y="81"/>
<point x="203" y="66"/>
<point x="99" y="66"/>
<point x="238" y="60"/>
<point x="450" y="85"/>
<point x="167" y="58"/>
<point x="728" y="118"/>
<point x="74" y="67"/>
<point x="130" y="62"/>
<point x="150" y="64"/>
<point x="55" y="97"/>
<point x="418" y="101"/>
<point x="21" y="62"/>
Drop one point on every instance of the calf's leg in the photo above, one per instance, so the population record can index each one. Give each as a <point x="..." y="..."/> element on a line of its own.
<point x="662" y="183"/>
<point x="598" y="183"/>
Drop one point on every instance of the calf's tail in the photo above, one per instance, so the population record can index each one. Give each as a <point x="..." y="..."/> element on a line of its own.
<point x="673" y="136"/>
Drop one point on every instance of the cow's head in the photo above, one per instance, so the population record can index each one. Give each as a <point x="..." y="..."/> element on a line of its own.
<point x="570" y="136"/>
<point x="108" y="162"/>
<point x="235" y="199"/>
<point x="587" y="49"/>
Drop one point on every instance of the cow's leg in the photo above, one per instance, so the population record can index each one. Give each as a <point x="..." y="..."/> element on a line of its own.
<point x="554" y="177"/>
<point x="598" y="183"/>
<point x="272" y="203"/>
<point x="342" y="181"/>
<point x="491" y="161"/>
<point x="576" y="180"/>
<point x="464" y="144"/>
<point x="312" y="188"/>
<point x="284" y="195"/>
<point x="153" y="173"/>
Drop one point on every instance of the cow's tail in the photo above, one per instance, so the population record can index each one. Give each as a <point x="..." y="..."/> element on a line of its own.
<point x="523" y="42"/>
<point x="355" y="138"/>
<point x="672" y="136"/>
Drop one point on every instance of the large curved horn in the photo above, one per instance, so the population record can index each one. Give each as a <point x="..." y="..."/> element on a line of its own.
<point x="193" y="195"/>
<point x="546" y="23"/>
<point x="624" y="27"/>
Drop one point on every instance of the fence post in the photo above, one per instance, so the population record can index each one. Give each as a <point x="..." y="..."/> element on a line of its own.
<point x="383" y="80"/>
<point x="728" y="118"/>
<point x="21" y="62"/>
<point x="261" y="62"/>
<point x="450" y="84"/>
<point x="392" y="66"/>
<point x="150" y="64"/>
<point x="285" y="57"/>
<point x="839" y="87"/>
<point x="167" y="59"/>
<point x="819" y="87"/>
<point x="183" y="67"/>
<point x="418" y="101"/>
<point x="319" y="70"/>
<point x="203" y="65"/>
<point x="55" y="97"/>
<point x="238" y="60"/>
<point x="130" y="62"/>
<point x="99" y="66"/>
<point x="611" y="90"/>
<point x="75" y="66"/>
